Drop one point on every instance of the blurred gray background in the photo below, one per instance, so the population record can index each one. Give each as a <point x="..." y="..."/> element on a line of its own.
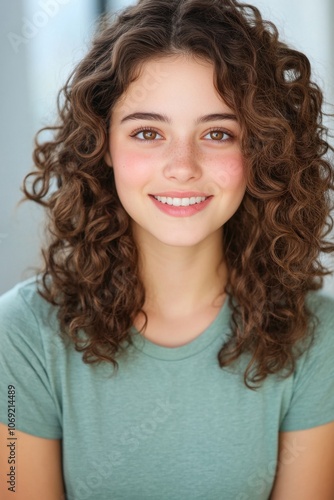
<point x="41" y="41"/>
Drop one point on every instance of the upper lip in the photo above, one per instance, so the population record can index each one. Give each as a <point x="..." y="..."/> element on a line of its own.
<point x="183" y="194"/>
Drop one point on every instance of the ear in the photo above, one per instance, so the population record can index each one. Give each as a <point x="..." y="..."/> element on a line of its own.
<point x="107" y="159"/>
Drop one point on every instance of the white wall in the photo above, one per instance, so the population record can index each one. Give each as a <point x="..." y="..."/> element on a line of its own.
<point x="40" y="42"/>
<point x="17" y="232"/>
<point x="34" y="70"/>
<point x="307" y="26"/>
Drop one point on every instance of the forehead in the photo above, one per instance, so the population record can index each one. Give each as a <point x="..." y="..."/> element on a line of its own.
<point x="171" y="82"/>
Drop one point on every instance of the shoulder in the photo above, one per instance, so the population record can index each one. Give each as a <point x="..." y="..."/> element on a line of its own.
<point x="319" y="342"/>
<point x="312" y="398"/>
<point x="22" y="303"/>
<point x="29" y="352"/>
<point x="27" y="321"/>
<point x="24" y="292"/>
<point x="321" y="306"/>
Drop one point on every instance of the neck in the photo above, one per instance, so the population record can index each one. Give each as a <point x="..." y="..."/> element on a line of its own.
<point x="181" y="280"/>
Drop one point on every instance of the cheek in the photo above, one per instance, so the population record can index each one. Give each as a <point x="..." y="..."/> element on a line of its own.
<point x="130" y="169"/>
<point x="229" y="172"/>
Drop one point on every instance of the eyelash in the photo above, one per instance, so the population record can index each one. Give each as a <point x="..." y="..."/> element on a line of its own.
<point x="150" y="129"/>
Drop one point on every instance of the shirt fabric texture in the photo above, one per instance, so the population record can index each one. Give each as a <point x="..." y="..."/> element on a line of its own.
<point x="170" y="424"/>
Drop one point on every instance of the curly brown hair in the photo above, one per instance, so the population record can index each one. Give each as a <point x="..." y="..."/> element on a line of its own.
<point x="272" y="244"/>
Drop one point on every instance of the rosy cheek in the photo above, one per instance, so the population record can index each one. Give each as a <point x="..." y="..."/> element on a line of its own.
<point x="229" y="172"/>
<point x="130" y="167"/>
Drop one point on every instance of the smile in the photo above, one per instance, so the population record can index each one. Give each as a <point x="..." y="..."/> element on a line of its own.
<point x="180" y="202"/>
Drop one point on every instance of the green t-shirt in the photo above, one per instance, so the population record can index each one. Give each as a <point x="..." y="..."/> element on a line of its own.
<point x="170" y="424"/>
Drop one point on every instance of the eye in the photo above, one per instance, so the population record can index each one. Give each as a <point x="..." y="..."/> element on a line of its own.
<point x="149" y="134"/>
<point x="219" y="135"/>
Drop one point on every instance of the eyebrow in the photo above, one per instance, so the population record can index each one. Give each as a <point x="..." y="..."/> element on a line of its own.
<point x="166" y="119"/>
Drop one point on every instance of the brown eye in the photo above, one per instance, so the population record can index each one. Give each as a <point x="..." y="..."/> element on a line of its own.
<point x="149" y="135"/>
<point x="218" y="135"/>
<point x="146" y="135"/>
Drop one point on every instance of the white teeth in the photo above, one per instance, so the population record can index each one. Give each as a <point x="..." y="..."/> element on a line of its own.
<point x="178" y="202"/>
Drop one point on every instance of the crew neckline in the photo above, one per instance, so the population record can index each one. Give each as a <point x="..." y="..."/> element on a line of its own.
<point x="219" y="328"/>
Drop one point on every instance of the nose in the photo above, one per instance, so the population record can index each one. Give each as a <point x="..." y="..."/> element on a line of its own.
<point x="182" y="163"/>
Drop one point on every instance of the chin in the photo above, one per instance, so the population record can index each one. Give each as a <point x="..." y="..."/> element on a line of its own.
<point x="182" y="241"/>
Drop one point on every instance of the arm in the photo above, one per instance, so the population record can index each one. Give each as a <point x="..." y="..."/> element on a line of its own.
<point x="38" y="471"/>
<point x="305" y="465"/>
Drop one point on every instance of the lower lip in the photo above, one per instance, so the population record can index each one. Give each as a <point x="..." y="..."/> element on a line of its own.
<point x="181" y="211"/>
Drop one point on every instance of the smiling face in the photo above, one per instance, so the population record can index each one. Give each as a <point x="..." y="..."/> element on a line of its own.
<point x="175" y="149"/>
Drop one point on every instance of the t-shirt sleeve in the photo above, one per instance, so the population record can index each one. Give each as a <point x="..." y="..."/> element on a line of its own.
<point x="312" y="402"/>
<point x="23" y="366"/>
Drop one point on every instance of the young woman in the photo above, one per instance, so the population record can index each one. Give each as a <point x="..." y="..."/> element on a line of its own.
<point x="176" y="344"/>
